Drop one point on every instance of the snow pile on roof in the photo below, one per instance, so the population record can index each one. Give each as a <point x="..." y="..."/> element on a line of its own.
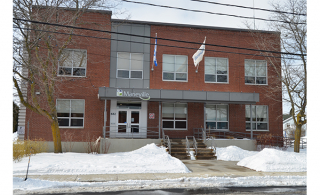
<point x="272" y="160"/>
<point x="233" y="153"/>
<point x="148" y="159"/>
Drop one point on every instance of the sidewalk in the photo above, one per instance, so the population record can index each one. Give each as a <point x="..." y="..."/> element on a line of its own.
<point x="199" y="168"/>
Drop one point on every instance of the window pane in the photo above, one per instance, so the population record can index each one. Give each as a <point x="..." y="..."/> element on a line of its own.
<point x="167" y="124"/>
<point x="247" y="125"/>
<point x="249" y="68"/>
<point x="123" y="61"/>
<point x="168" y="76"/>
<point x="180" y="111"/>
<point x="135" y="117"/>
<point x="63" y="106"/>
<point x="167" y="111"/>
<point x="77" y="122"/>
<point x="65" y="71"/>
<point x="134" y="128"/>
<point x="79" y="72"/>
<point x="181" y="64"/>
<point x="222" y="125"/>
<point x="181" y="76"/>
<point x="210" y="65"/>
<point x="210" y="78"/>
<point x="222" y="67"/>
<point x="181" y="124"/>
<point x="63" y="122"/>
<point x="261" y="80"/>
<point x="77" y="106"/>
<point x="222" y="78"/>
<point x="262" y="126"/>
<point x="168" y="63"/>
<point x="211" y="112"/>
<point x="63" y="114"/>
<point x="249" y="80"/>
<point x="248" y="113"/>
<point x="122" y="117"/>
<point x="211" y="125"/>
<point x="123" y="74"/>
<point x="122" y="128"/>
<point x="261" y="67"/>
<point x="136" y="61"/>
<point x="65" y="59"/>
<point x="79" y="59"/>
<point x="136" y="74"/>
<point x="222" y="112"/>
<point x="261" y="113"/>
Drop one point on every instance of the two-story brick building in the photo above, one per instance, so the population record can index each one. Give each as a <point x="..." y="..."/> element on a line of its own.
<point x="114" y="90"/>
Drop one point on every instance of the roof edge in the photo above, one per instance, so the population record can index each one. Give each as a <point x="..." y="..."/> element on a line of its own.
<point x="74" y="9"/>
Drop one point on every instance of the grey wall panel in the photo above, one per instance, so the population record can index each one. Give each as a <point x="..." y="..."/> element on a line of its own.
<point x="123" y="83"/>
<point x="241" y="97"/>
<point x="146" y="66"/>
<point x="218" y="96"/>
<point x="113" y="65"/>
<point x="112" y="82"/>
<point x="191" y="95"/>
<point x="136" y="83"/>
<point x="136" y="47"/>
<point x="123" y="46"/>
<point x="171" y="94"/>
<point x="146" y="83"/>
<point x="256" y="97"/>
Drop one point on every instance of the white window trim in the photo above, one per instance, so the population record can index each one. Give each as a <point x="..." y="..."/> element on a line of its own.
<point x="216" y="71"/>
<point x="85" y="73"/>
<point x="175" y="69"/>
<point x="256" y="121"/>
<point x="130" y="66"/>
<point x="71" y="127"/>
<point x="205" y="120"/>
<point x="255" y="72"/>
<point x="174" y="120"/>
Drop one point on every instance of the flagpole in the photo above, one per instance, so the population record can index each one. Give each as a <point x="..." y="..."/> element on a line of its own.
<point x="154" y="52"/>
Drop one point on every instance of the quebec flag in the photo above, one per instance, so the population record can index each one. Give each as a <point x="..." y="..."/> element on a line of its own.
<point x="198" y="56"/>
<point x="155" y="52"/>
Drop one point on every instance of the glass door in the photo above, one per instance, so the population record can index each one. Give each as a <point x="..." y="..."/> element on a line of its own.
<point x="122" y="121"/>
<point x="134" y="123"/>
<point x="128" y="121"/>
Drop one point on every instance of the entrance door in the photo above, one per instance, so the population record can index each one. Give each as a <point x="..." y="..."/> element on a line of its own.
<point x="128" y="121"/>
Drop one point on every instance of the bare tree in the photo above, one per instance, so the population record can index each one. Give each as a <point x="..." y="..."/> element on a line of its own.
<point x="292" y="26"/>
<point x="38" y="47"/>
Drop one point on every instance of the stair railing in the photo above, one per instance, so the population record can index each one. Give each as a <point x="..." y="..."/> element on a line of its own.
<point x="167" y="142"/>
<point x="195" y="145"/>
<point x="188" y="145"/>
<point x="212" y="146"/>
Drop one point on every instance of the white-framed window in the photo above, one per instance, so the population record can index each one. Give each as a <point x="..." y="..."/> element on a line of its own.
<point x="217" y="116"/>
<point x="129" y="65"/>
<point x="259" y="118"/>
<point x="216" y="70"/>
<point x="70" y="113"/>
<point x="174" y="116"/>
<point x="73" y="62"/>
<point x="255" y="72"/>
<point x="174" y="67"/>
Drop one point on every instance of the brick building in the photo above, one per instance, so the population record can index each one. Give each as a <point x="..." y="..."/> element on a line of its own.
<point x="114" y="90"/>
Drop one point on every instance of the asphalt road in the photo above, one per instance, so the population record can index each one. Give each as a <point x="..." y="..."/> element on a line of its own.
<point x="276" y="190"/>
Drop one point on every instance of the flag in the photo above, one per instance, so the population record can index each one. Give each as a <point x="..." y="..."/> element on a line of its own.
<point x="155" y="52"/>
<point x="198" y="56"/>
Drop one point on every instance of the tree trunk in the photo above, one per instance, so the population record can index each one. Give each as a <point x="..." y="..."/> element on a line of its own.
<point x="297" y="136"/>
<point x="56" y="137"/>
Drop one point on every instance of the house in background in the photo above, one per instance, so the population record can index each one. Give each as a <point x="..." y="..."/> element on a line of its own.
<point x="113" y="89"/>
<point x="289" y="128"/>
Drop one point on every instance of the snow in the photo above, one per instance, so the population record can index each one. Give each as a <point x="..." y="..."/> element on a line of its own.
<point x="233" y="153"/>
<point x="15" y="136"/>
<point x="148" y="159"/>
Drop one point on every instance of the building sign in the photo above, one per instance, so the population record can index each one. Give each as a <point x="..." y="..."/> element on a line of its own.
<point x="143" y="95"/>
<point x="20" y="130"/>
<point x="151" y="115"/>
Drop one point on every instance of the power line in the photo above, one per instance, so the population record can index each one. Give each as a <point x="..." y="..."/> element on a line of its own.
<point x="154" y="44"/>
<point x="254" y="8"/>
<point x="207" y="12"/>
<point x="159" y="38"/>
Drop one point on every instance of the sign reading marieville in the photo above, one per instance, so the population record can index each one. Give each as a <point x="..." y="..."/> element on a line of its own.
<point x="143" y="95"/>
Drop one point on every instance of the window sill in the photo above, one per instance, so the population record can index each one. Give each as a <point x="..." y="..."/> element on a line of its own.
<point x="71" y="127"/>
<point x="216" y="82"/>
<point x="256" y="84"/>
<point x="176" y="81"/>
<point x="256" y="130"/>
<point x="72" y="76"/>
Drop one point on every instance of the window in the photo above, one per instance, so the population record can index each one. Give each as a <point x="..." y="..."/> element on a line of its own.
<point x="255" y="72"/>
<point x="130" y="65"/>
<point x="70" y="113"/>
<point x="217" y="116"/>
<point x="175" y="68"/>
<point x="174" y="116"/>
<point x="216" y="70"/>
<point x="259" y="118"/>
<point x="73" y="63"/>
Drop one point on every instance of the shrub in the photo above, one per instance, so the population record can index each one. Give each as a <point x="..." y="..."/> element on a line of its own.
<point x="23" y="148"/>
<point x="270" y="141"/>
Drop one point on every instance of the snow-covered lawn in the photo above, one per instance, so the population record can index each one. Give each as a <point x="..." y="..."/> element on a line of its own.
<point x="267" y="160"/>
<point x="148" y="159"/>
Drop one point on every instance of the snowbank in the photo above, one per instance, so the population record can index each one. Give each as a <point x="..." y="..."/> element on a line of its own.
<point x="272" y="160"/>
<point x="233" y="153"/>
<point x="148" y="159"/>
<point x="15" y="136"/>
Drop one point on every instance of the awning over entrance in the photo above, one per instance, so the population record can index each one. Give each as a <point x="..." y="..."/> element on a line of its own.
<point x="178" y="95"/>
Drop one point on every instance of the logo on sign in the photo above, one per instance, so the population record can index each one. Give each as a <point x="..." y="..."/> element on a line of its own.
<point x="142" y="95"/>
<point x="119" y="92"/>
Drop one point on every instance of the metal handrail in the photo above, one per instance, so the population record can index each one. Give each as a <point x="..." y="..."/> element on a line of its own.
<point x="187" y="145"/>
<point x="168" y="143"/>
<point x="151" y="132"/>
<point x="195" y="146"/>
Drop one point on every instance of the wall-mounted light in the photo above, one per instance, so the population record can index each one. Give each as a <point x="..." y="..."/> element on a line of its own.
<point x="37" y="93"/>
